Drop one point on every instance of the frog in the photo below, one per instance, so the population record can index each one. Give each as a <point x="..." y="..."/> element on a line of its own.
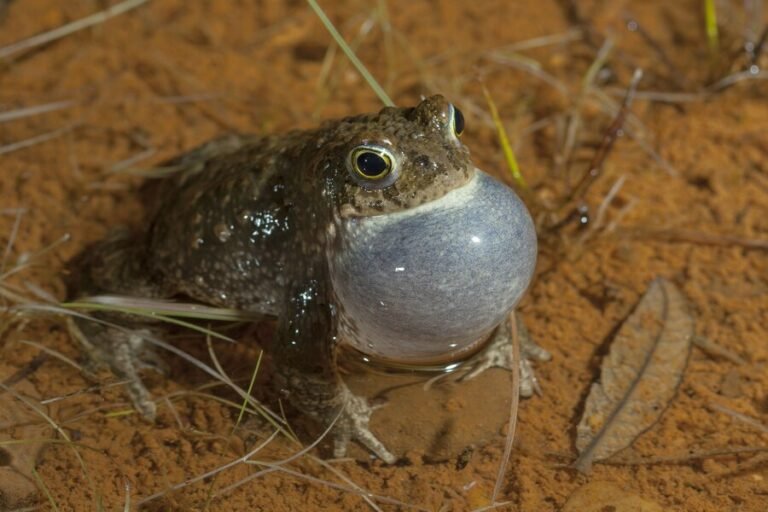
<point x="373" y="232"/>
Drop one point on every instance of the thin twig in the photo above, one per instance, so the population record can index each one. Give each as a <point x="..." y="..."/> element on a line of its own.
<point x="26" y="370"/>
<point x="674" y="73"/>
<point x="698" y="237"/>
<point x="740" y="468"/>
<point x="682" y="459"/>
<point x="608" y="140"/>
<point x="753" y="73"/>
<point x="759" y="46"/>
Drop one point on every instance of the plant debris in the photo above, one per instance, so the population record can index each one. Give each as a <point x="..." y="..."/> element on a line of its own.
<point x="21" y="440"/>
<point x="639" y="376"/>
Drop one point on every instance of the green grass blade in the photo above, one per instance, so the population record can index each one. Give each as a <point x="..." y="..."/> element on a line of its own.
<point x="92" y="306"/>
<point x="710" y="22"/>
<point x="41" y="484"/>
<point x="244" y="405"/>
<point x="506" y="147"/>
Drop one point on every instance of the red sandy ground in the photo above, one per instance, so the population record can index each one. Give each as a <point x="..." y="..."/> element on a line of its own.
<point x="172" y="74"/>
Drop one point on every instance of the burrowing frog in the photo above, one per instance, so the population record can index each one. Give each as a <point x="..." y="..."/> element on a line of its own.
<point x="374" y="231"/>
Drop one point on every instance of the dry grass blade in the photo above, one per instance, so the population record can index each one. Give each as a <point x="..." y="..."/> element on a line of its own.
<point x="39" y="481"/>
<point x="372" y="83"/>
<point x="19" y="113"/>
<point x="22" y="439"/>
<point x="345" y="488"/>
<point x="26" y="260"/>
<point x="53" y="353"/>
<point x="127" y="504"/>
<point x="146" y="313"/>
<point x="166" y="307"/>
<point x="11" y="239"/>
<point x="275" y="465"/>
<point x="37" y="139"/>
<point x="640" y="375"/>
<point x="34" y="407"/>
<point x="224" y="467"/>
<point x="130" y="162"/>
<point x="713" y="349"/>
<point x="513" y="408"/>
<point x="531" y="67"/>
<point x="741" y="417"/>
<point x="70" y="28"/>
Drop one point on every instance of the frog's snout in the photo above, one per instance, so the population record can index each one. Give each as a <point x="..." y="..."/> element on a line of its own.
<point x="429" y="282"/>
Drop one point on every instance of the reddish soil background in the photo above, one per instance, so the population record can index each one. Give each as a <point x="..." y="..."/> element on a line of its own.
<point x="153" y="82"/>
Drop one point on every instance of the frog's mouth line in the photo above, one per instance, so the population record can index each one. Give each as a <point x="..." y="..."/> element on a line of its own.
<point x="454" y="198"/>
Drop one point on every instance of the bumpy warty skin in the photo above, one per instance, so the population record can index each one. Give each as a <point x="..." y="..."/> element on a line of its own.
<point x="419" y="263"/>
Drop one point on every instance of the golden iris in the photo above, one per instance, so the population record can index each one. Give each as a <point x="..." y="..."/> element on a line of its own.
<point x="371" y="165"/>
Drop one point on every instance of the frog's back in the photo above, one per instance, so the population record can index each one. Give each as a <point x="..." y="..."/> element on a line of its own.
<point x="217" y="230"/>
<point x="221" y="228"/>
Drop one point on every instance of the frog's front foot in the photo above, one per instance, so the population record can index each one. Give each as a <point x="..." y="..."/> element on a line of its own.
<point x="352" y="424"/>
<point x="499" y="353"/>
<point x="125" y="353"/>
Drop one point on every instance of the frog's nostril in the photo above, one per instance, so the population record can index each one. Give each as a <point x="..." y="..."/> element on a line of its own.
<point x="422" y="162"/>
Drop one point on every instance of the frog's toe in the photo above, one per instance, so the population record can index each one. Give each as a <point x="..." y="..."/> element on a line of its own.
<point x="500" y="354"/>
<point x="532" y="351"/>
<point x="502" y="357"/>
<point x="528" y="382"/>
<point x="352" y="424"/>
<point x="148" y="359"/>
<point x="125" y="354"/>
<point x="492" y="357"/>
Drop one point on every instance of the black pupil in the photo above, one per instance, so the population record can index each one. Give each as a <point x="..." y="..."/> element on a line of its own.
<point x="371" y="164"/>
<point x="458" y="121"/>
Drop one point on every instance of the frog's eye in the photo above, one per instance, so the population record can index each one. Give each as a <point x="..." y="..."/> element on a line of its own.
<point x="373" y="166"/>
<point x="457" y="121"/>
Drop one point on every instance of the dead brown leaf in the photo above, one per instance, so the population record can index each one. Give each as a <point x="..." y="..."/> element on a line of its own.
<point x="21" y="442"/>
<point x="602" y="496"/>
<point x="639" y="376"/>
